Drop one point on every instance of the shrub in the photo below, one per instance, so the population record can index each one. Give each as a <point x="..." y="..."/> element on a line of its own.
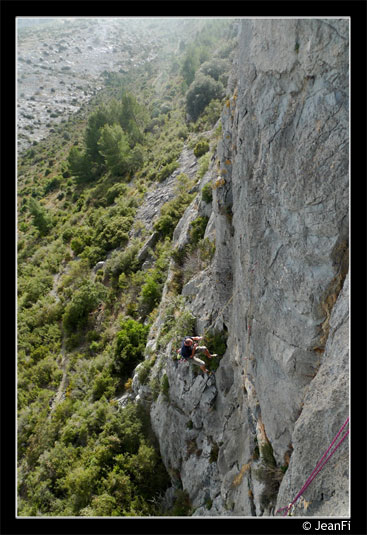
<point x="150" y="294"/>
<point x="165" y="225"/>
<point x="67" y="235"/>
<point x="114" y="147"/>
<point x="122" y="281"/>
<point x="36" y="286"/>
<point x="41" y="218"/>
<point x="84" y="300"/>
<point x="182" y="505"/>
<point x="211" y="114"/>
<point x="214" y="453"/>
<point x="179" y="255"/>
<point x="266" y="451"/>
<point x="167" y="170"/>
<point x="165" y="387"/>
<point x="130" y="346"/>
<point x="206" y="250"/>
<point x="103" y="385"/>
<point x="77" y="245"/>
<point x="201" y="92"/>
<point x="214" y="67"/>
<point x="115" y="191"/>
<point x="201" y="148"/>
<point x="207" y="193"/>
<point x="123" y="262"/>
<point x="112" y="232"/>
<point x="172" y="211"/>
<point x="52" y="185"/>
<point x="144" y="371"/>
<point x="177" y="323"/>
<point x="216" y="341"/>
<point x="79" y="165"/>
<point x="93" y="254"/>
<point x="203" y="165"/>
<point x="197" y="229"/>
<point x="271" y="476"/>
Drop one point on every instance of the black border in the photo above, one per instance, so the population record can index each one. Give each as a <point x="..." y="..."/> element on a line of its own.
<point x="356" y="10"/>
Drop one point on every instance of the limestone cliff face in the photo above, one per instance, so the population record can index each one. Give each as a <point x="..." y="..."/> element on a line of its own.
<point x="277" y="285"/>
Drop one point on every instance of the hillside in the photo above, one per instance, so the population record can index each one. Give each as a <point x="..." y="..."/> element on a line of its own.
<point x="199" y="187"/>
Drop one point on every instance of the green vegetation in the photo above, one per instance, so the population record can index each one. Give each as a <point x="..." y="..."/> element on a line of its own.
<point x="182" y="505"/>
<point x="201" y="92"/>
<point x="83" y="330"/>
<point x="207" y="193"/>
<point x="172" y="211"/>
<point x="98" y="461"/>
<point x="82" y="302"/>
<point x="197" y="229"/>
<point x="41" y="219"/>
<point x="201" y="147"/>
<point x="130" y="345"/>
<point x="177" y="322"/>
<point x="270" y="474"/>
<point x="214" y="452"/>
<point x="165" y="387"/>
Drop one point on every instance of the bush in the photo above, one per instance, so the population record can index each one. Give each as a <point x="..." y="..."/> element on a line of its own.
<point x="114" y="147"/>
<point x="206" y="250"/>
<point x="271" y="476"/>
<point x="177" y="323"/>
<point x="52" y="185"/>
<point x="130" y="346"/>
<point x="203" y="165"/>
<point x="79" y="165"/>
<point x="115" y="191"/>
<point x="93" y="254"/>
<point x="216" y="342"/>
<point x="103" y="385"/>
<point x="150" y="294"/>
<point x="144" y="371"/>
<point x="214" y="452"/>
<point x="123" y="262"/>
<point x="211" y="114"/>
<point x="182" y="505"/>
<point x="201" y="148"/>
<point x="112" y="232"/>
<point x="84" y="300"/>
<point x="207" y="193"/>
<point x="167" y="170"/>
<point x="197" y="229"/>
<point x="77" y="245"/>
<point x="41" y="218"/>
<point x="214" y="67"/>
<point x="201" y="92"/>
<point x="165" y="387"/>
<point x="165" y="225"/>
<point x="67" y="235"/>
<point x="172" y="211"/>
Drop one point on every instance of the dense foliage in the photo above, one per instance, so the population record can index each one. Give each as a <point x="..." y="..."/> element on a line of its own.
<point x="86" y="300"/>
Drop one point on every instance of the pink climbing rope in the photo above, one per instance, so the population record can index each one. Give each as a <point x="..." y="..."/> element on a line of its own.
<point x="320" y="465"/>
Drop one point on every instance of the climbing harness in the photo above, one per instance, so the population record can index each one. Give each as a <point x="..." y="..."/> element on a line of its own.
<point x="320" y="465"/>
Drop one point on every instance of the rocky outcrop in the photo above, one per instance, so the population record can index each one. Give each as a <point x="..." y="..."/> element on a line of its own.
<point x="276" y="286"/>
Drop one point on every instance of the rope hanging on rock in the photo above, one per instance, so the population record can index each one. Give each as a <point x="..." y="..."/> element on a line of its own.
<point x="320" y="465"/>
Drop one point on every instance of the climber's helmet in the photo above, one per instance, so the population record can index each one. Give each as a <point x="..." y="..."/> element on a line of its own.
<point x="188" y="341"/>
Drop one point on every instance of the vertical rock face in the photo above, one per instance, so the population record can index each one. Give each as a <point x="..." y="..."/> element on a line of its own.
<point x="277" y="284"/>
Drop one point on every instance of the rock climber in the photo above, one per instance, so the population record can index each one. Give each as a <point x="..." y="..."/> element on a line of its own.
<point x="190" y="347"/>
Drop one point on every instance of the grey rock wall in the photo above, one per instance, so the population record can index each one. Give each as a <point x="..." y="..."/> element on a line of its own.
<point x="277" y="285"/>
